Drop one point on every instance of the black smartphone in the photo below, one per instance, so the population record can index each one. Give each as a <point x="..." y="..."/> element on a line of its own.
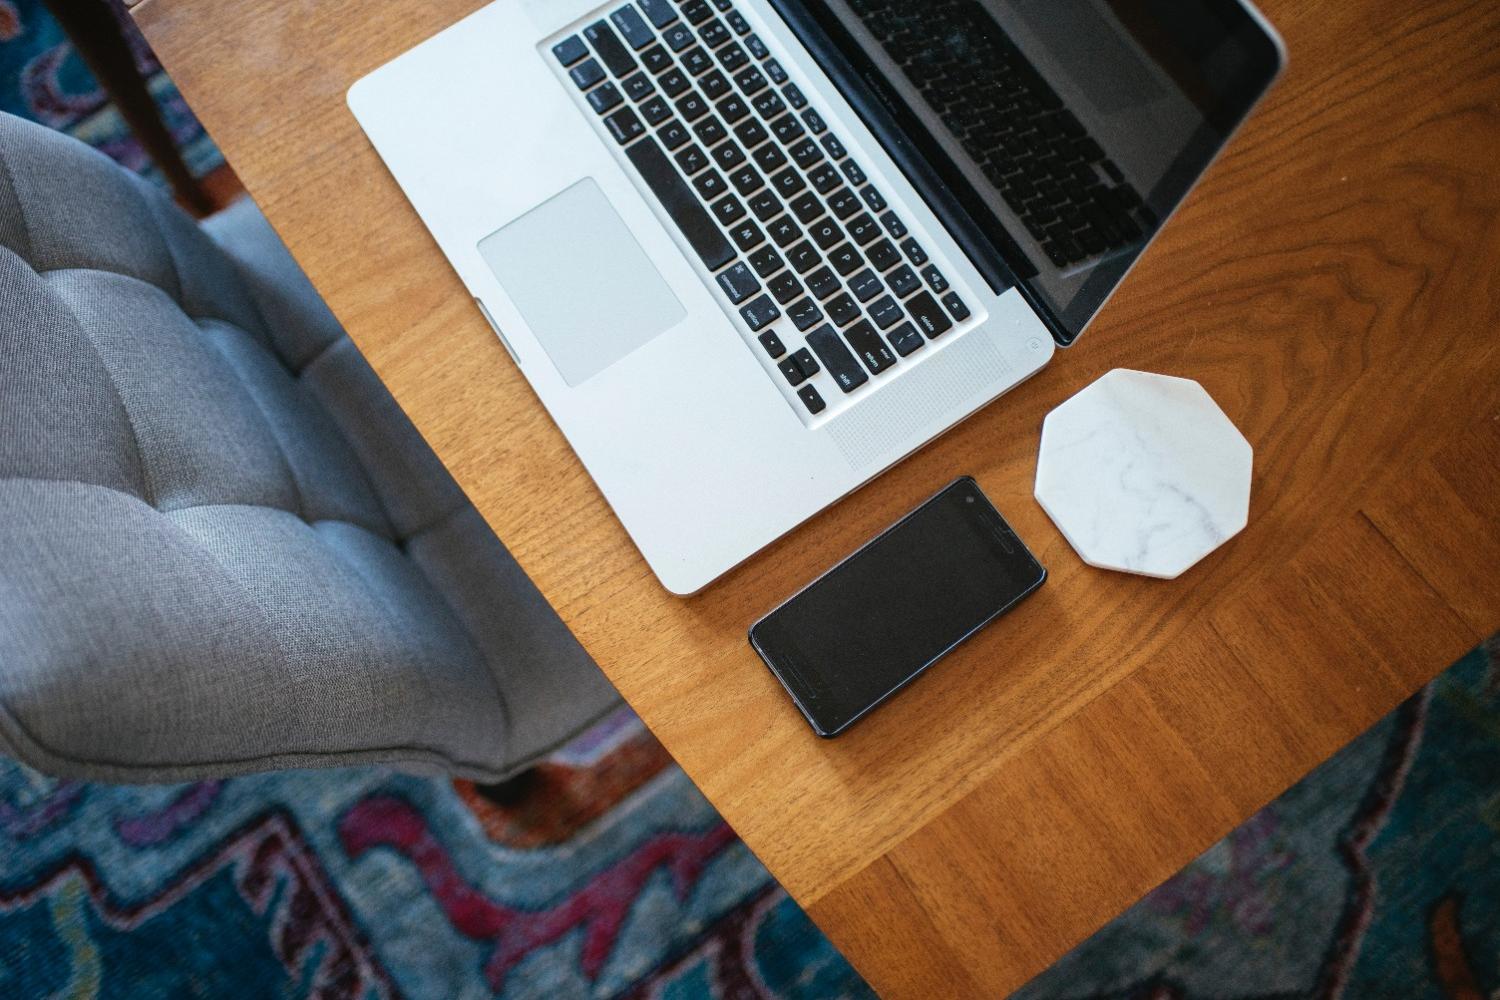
<point x="866" y="628"/>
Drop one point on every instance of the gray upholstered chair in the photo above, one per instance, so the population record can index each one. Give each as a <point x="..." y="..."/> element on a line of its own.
<point x="223" y="547"/>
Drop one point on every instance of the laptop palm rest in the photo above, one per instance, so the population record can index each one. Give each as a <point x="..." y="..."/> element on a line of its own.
<point x="583" y="284"/>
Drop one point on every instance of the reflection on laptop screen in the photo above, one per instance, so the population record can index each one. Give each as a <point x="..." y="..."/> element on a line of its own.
<point x="1066" y="129"/>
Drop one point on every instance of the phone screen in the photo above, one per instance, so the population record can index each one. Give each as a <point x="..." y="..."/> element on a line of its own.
<point x="857" y="634"/>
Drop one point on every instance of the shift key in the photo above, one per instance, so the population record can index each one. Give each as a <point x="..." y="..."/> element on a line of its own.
<point x="836" y="358"/>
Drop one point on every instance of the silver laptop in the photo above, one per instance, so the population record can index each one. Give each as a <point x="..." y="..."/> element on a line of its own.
<point x="750" y="253"/>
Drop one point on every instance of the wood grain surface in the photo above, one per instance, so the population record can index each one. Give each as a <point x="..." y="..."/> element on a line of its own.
<point x="1332" y="283"/>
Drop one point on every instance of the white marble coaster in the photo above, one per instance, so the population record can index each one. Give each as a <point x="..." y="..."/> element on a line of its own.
<point x="1144" y="473"/>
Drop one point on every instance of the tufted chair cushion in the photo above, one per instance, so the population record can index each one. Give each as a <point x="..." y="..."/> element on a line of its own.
<point x="223" y="547"/>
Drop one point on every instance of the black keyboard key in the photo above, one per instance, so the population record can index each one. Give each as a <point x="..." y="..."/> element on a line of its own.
<point x="656" y="110"/>
<point x="773" y="345"/>
<point x="632" y="28"/>
<point x="685" y="209"/>
<point x="903" y="281"/>
<point x="714" y="33"/>
<point x="732" y="57"/>
<point x="851" y="170"/>
<point x="731" y="108"/>
<point x="805" y="153"/>
<point x="757" y="47"/>
<point x="770" y="158"/>
<point x="794" y="96"/>
<point x="825" y="232"/>
<point x="751" y="134"/>
<point x="768" y="105"/>
<point x="893" y="225"/>
<point x="760" y="312"/>
<point x="766" y="261"/>
<point x="836" y="358"/>
<point x="905" y="339"/>
<point x="806" y="363"/>
<point x="728" y="210"/>
<point x="956" y="306"/>
<point x="930" y="317"/>
<point x="710" y="184"/>
<point x="570" y="50"/>
<point x="935" y="279"/>
<point x="865" y="285"/>
<point x="785" y="287"/>
<point x="874" y="199"/>
<point x="883" y="255"/>
<point x="792" y="371"/>
<point x="586" y="74"/>
<point x="691" y="106"/>
<point x="750" y="81"/>
<point x="696" y="61"/>
<point x="845" y="259"/>
<point x="788" y="182"/>
<point x="727" y="156"/>
<point x="842" y="309"/>
<point x="787" y="128"/>
<point x="660" y="12"/>
<point x="844" y="203"/>
<point x="824" y="178"/>
<point x="806" y="207"/>
<point x="673" y="82"/>
<point x="805" y="313"/>
<point x="678" y="37"/>
<point x="803" y="257"/>
<point x="710" y="131"/>
<point x="746" y="181"/>
<point x="605" y="98"/>
<point x="863" y="228"/>
<point x="885" y="312"/>
<point x="612" y="52"/>
<point x="714" y="85"/>
<point x="775" y="72"/>
<point x="823" y="282"/>
<point x="914" y="252"/>
<point x="673" y="134"/>
<point x="815" y="123"/>
<point x="738" y="283"/>
<point x="870" y="348"/>
<point x="625" y="126"/>
<point x="692" y="159"/>
<point x="784" y="231"/>
<point x="656" y="60"/>
<point x="810" y="399"/>
<point x="836" y="150"/>
<point x="697" y="11"/>
<point x="638" y="86"/>
<point x="737" y="22"/>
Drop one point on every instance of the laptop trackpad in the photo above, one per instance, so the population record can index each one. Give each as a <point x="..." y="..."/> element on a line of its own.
<point x="581" y="281"/>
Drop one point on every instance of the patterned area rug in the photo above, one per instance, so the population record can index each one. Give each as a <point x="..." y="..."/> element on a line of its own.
<point x="1377" y="876"/>
<point x="43" y="79"/>
<point x="609" y="877"/>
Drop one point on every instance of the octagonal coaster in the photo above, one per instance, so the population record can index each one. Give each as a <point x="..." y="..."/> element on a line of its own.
<point x="1144" y="473"/>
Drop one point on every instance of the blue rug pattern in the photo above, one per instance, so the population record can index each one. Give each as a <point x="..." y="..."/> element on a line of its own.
<point x="43" y="79"/>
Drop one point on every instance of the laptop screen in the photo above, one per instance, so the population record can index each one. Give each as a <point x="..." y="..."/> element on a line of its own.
<point x="1058" y="133"/>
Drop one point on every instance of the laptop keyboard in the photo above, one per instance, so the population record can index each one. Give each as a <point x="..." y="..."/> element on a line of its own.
<point x="1069" y="195"/>
<point x="821" y="269"/>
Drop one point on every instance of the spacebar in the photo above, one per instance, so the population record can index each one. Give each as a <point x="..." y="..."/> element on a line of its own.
<point x="681" y="203"/>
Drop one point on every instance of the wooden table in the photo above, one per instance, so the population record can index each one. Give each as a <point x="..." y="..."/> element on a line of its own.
<point x="1333" y="284"/>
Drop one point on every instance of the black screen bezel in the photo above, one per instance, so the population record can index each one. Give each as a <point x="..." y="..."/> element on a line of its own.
<point x="983" y="235"/>
<point x="786" y="661"/>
